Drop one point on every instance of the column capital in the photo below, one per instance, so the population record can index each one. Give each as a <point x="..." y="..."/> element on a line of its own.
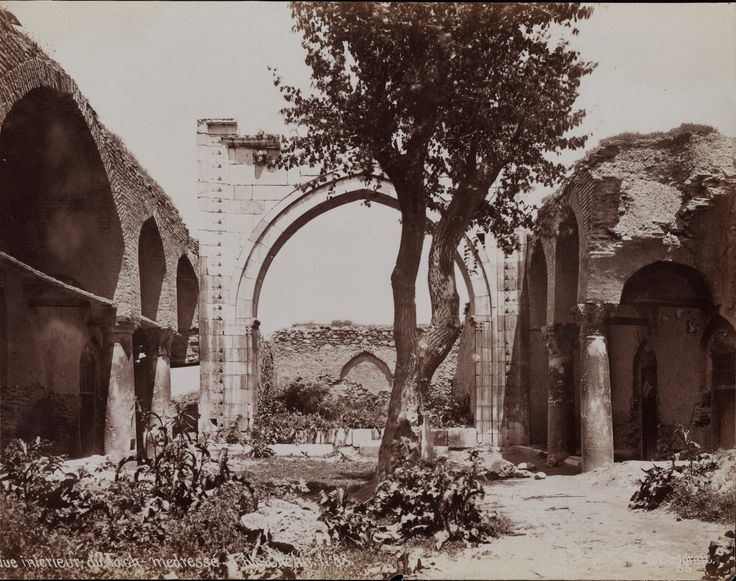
<point x="593" y="317"/>
<point x="121" y="327"/>
<point x="157" y="341"/>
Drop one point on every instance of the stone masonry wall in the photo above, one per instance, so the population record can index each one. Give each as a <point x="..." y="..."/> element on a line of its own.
<point x="313" y="352"/>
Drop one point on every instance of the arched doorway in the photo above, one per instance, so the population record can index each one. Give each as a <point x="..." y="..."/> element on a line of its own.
<point x="369" y="371"/>
<point x="266" y="239"/>
<point x="91" y="401"/>
<point x="669" y="306"/>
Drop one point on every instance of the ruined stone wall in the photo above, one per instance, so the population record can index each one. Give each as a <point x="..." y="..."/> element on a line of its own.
<point x="315" y="352"/>
<point x="639" y="200"/>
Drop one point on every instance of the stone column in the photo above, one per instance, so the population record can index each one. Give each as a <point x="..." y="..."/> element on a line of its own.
<point x="120" y="436"/>
<point x="560" y="339"/>
<point x="161" y="400"/>
<point x="596" y="420"/>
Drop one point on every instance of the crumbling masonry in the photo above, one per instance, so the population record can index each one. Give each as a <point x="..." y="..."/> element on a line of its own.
<point x="629" y="303"/>
<point x="98" y="283"/>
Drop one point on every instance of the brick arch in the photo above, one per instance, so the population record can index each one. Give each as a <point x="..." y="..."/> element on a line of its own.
<point x="57" y="211"/>
<point x="136" y="196"/>
<point x="37" y="73"/>
<point x="299" y="208"/>
<point x="152" y="268"/>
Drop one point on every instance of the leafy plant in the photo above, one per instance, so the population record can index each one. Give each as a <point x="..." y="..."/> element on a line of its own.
<point x="26" y="469"/>
<point x="416" y="499"/>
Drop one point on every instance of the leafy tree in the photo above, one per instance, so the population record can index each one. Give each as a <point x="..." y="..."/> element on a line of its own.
<point x="459" y="106"/>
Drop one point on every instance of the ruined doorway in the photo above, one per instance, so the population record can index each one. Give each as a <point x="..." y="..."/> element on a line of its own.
<point x="90" y="408"/>
<point x="647" y="380"/>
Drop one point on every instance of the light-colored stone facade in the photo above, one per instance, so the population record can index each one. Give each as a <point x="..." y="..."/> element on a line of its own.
<point x="248" y="211"/>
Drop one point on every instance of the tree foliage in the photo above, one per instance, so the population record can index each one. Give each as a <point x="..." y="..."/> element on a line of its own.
<point x="448" y="98"/>
<point x="461" y="106"/>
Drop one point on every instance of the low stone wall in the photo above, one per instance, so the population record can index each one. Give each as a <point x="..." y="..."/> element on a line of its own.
<point x="365" y="442"/>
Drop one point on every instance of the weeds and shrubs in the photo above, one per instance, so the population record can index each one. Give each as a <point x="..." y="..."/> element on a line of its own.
<point x="179" y="501"/>
<point x="721" y="561"/>
<point x="446" y="410"/>
<point x="302" y="409"/>
<point x="26" y="470"/>
<point x="417" y="499"/>
<point x="687" y="486"/>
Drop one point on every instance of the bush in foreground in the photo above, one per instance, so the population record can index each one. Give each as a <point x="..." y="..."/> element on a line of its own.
<point x="417" y="499"/>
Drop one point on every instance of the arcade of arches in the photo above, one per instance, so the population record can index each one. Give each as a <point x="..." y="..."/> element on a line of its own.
<point x="628" y="309"/>
<point x="95" y="268"/>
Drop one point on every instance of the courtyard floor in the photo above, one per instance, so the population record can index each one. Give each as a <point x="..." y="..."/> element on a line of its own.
<point x="579" y="527"/>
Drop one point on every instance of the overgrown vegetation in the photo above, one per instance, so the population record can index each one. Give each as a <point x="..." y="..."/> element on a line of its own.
<point x="694" y="485"/>
<point x="294" y="414"/>
<point x="417" y="499"/>
<point x="178" y="502"/>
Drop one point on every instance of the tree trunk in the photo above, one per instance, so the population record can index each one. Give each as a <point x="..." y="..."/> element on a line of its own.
<point x="418" y="354"/>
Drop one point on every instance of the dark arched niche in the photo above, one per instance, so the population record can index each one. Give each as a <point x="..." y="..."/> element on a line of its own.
<point x="152" y="267"/>
<point x="57" y="213"/>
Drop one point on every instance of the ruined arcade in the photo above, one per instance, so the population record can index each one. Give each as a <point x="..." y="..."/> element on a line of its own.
<point x="98" y="283"/>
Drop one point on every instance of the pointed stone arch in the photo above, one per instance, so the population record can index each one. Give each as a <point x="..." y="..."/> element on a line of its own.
<point x="366" y="357"/>
<point x="235" y="307"/>
<point x="151" y="268"/>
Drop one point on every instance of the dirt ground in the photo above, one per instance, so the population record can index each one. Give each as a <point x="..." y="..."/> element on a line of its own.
<point x="579" y="527"/>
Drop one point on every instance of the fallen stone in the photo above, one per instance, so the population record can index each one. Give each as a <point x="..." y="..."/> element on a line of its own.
<point x="288" y="526"/>
<point x="575" y="461"/>
<point x="460" y="438"/>
<point x="540" y="476"/>
<point x="526" y="466"/>
<point x="518" y="473"/>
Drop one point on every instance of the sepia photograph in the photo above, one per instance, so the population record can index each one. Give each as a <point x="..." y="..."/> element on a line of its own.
<point x="367" y="290"/>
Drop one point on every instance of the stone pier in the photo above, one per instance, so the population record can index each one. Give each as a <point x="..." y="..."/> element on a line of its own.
<point x="560" y="339"/>
<point x="120" y="436"/>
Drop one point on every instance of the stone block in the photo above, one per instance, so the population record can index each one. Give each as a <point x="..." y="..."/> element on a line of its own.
<point x="362" y="437"/>
<point x="313" y="450"/>
<point x="439" y="437"/>
<point x="458" y="438"/>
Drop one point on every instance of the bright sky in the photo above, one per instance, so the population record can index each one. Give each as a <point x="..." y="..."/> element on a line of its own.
<point x="151" y="69"/>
